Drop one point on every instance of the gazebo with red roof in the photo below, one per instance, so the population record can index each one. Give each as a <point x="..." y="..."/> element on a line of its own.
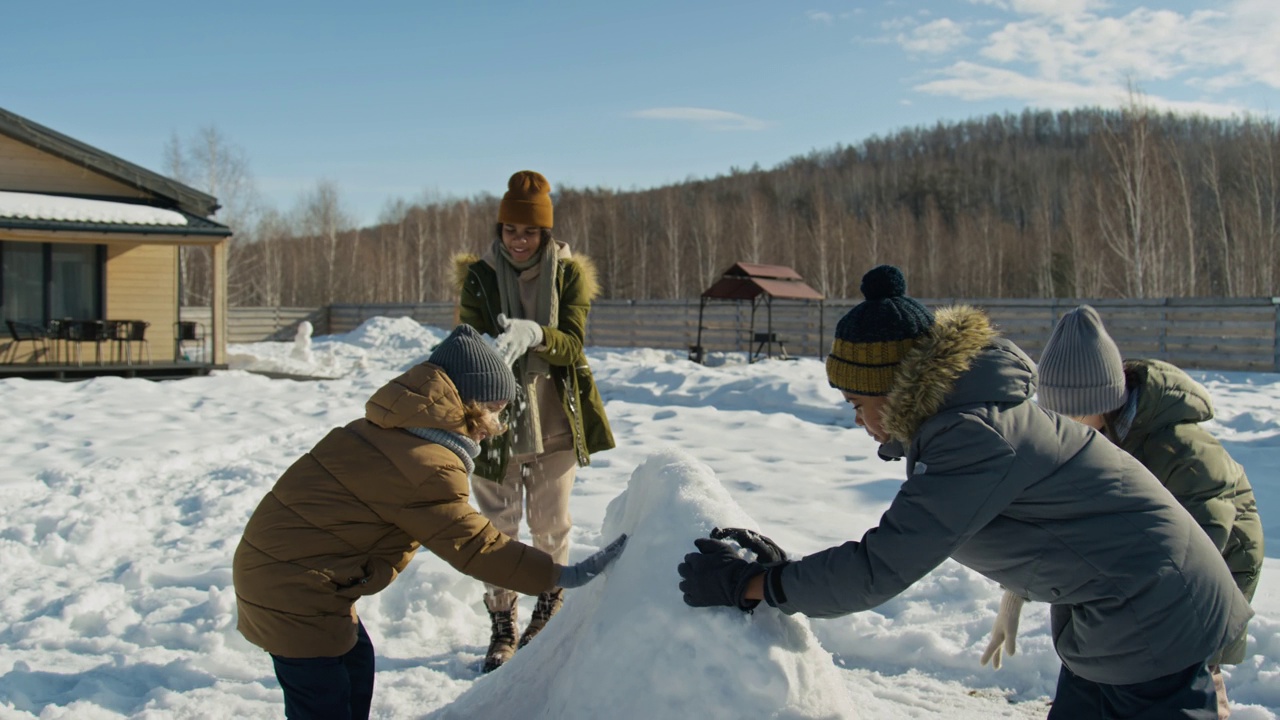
<point x="756" y="284"/>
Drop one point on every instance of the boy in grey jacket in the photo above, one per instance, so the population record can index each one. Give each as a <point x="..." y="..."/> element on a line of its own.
<point x="1040" y="504"/>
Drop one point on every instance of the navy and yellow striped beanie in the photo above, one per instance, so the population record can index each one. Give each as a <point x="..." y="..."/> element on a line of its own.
<point x="872" y="338"/>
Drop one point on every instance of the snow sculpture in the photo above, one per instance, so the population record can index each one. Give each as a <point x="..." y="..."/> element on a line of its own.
<point x="302" y="343"/>
<point x="626" y="646"/>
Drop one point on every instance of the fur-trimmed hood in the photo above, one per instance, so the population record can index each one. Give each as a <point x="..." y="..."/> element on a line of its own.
<point x="462" y="263"/>
<point x="963" y="360"/>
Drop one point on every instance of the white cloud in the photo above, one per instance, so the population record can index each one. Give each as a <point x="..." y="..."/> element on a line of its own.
<point x="1055" y="51"/>
<point x="972" y="81"/>
<point x="1250" y="43"/>
<point x="825" y="18"/>
<point x="1053" y="8"/>
<point x="711" y="119"/>
<point x="935" y="37"/>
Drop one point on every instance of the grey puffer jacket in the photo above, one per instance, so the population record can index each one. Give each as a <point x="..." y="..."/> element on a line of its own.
<point x="1041" y="504"/>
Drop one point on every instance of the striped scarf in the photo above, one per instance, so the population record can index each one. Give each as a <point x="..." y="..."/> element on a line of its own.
<point x="464" y="447"/>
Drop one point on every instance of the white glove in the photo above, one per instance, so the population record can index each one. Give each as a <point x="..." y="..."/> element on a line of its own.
<point x="1004" y="633"/>
<point x="517" y="337"/>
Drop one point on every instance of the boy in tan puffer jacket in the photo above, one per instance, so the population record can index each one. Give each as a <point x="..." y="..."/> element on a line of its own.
<point x="346" y="518"/>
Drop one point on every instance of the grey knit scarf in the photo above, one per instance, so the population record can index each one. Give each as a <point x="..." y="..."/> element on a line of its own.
<point x="464" y="447"/>
<point x="526" y="424"/>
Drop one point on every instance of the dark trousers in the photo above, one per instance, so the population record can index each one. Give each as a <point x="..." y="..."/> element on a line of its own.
<point x="328" y="688"/>
<point x="1185" y="694"/>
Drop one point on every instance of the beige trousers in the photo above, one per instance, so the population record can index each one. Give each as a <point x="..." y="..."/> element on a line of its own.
<point x="539" y="490"/>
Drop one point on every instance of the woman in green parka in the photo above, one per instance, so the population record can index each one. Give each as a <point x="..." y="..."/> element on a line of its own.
<point x="533" y="295"/>
<point x="1154" y="411"/>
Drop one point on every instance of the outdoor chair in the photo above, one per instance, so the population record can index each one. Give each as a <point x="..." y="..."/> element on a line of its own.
<point x="128" y="332"/>
<point x="188" y="331"/>
<point x="20" y="332"/>
<point x="94" y="331"/>
<point x="63" y="333"/>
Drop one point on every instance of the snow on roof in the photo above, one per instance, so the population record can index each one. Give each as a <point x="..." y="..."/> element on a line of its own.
<point x="36" y="206"/>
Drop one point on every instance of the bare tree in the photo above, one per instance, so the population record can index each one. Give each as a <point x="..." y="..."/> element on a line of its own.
<point x="209" y="162"/>
<point x="1129" y="147"/>
<point x="272" y="234"/>
<point x="320" y="216"/>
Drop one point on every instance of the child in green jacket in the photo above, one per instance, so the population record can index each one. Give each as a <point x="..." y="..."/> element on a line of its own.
<point x="1154" y="411"/>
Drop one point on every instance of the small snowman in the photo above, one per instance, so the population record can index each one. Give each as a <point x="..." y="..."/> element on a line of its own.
<point x="302" y="344"/>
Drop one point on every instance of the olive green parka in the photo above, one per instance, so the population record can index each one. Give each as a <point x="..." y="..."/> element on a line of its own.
<point x="1166" y="436"/>
<point x="562" y="348"/>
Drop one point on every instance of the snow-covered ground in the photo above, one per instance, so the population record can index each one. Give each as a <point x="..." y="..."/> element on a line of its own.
<point x="123" y="500"/>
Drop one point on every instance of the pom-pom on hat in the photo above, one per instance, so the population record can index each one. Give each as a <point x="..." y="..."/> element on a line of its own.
<point x="872" y="338"/>
<point x="527" y="201"/>
<point x="1081" y="372"/>
<point x="475" y="368"/>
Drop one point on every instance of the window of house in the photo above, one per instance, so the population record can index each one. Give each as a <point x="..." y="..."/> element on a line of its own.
<point x="43" y="281"/>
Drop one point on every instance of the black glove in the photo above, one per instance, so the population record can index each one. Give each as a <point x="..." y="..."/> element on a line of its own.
<point x="580" y="574"/>
<point x="715" y="575"/>
<point x="767" y="551"/>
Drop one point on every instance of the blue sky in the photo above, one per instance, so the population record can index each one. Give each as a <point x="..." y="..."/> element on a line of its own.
<point x="395" y="99"/>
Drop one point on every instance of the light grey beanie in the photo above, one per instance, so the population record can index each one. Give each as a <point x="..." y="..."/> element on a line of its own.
<point x="475" y="368"/>
<point x="1081" y="372"/>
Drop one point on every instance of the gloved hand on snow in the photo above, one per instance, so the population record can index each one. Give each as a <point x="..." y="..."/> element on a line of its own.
<point x="715" y="575"/>
<point x="579" y="574"/>
<point x="767" y="551"/>
<point x="1004" y="633"/>
<point x="517" y="337"/>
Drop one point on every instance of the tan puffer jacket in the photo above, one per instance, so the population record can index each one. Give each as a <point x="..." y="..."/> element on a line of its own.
<point x="346" y="518"/>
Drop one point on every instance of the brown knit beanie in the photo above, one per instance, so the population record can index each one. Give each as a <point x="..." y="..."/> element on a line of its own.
<point x="528" y="200"/>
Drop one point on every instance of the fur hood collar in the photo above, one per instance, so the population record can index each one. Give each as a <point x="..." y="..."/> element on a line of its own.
<point x="462" y="263"/>
<point x="935" y="374"/>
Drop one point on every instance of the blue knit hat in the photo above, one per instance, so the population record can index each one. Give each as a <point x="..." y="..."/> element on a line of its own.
<point x="475" y="368"/>
<point x="872" y="338"/>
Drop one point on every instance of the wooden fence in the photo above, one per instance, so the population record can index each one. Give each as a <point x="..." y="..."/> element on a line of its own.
<point x="258" y="324"/>
<point x="1206" y="333"/>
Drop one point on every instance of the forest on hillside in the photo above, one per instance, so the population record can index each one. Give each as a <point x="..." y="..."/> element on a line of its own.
<point x="1091" y="202"/>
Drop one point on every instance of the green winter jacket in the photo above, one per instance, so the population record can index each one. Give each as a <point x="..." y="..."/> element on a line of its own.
<point x="479" y="306"/>
<point x="1165" y="435"/>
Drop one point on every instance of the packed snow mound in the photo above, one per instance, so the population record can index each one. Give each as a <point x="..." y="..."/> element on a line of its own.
<point x="379" y="344"/>
<point x="398" y="334"/>
<point x="626" y="646"/>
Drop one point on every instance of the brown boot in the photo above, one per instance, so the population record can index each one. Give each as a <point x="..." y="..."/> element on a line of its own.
<point x="502" y="638"/>
<point x="548" y="604"/>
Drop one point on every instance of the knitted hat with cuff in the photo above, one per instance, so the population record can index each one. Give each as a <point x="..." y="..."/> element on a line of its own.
<point x="1081" y="372"/>
<point x="527" y="201"/>
<point x="475" y="368"/>
<point x="872" y="338"/>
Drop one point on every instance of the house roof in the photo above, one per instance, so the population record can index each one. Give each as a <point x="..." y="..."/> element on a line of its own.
<point x="175" y="194"/>
<point x="40" y="211"/>
<point x="747" y="281"/>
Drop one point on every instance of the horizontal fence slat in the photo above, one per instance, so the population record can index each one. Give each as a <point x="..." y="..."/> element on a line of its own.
<point x="1203" y="333"/>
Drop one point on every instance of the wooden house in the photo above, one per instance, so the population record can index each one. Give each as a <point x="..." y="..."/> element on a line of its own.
<point x="88" y="237"/>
